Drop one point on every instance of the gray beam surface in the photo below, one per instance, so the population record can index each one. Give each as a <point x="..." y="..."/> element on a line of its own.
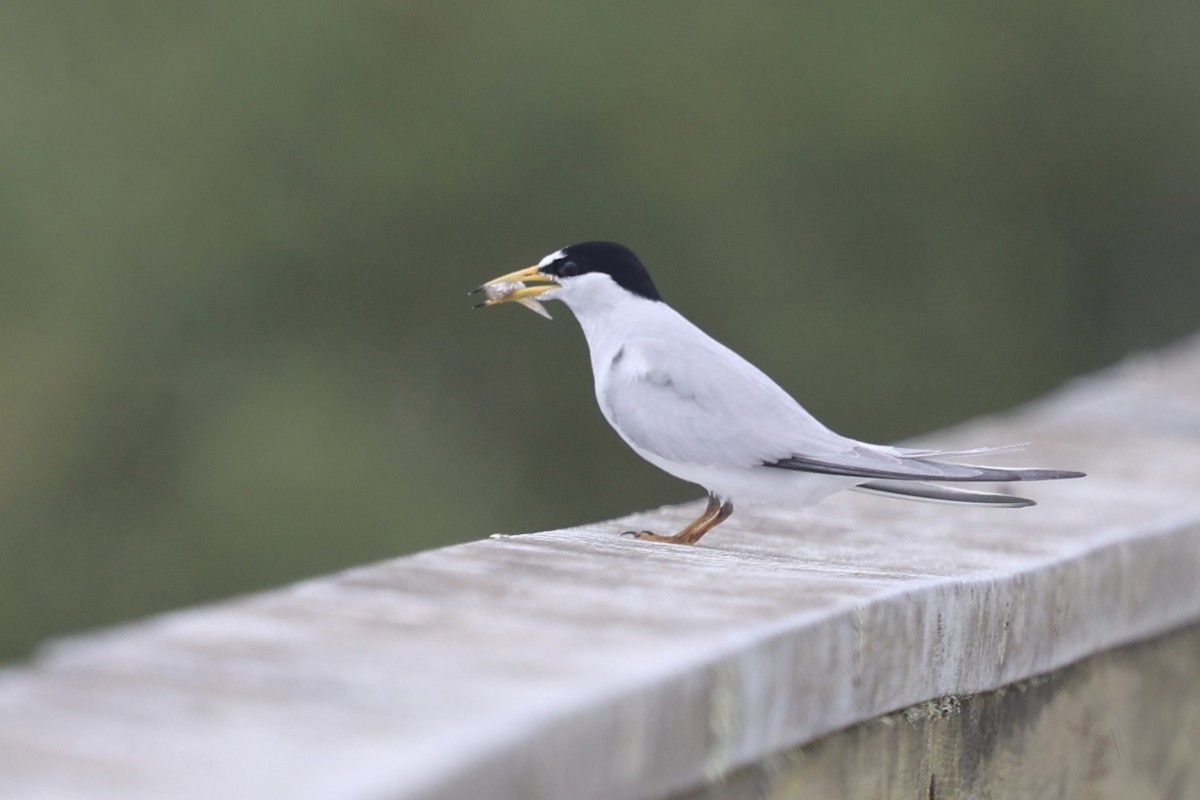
<point x="578" y="663"/>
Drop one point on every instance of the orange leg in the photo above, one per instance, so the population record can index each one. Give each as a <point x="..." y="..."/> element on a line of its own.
<point x="713" y="515"/>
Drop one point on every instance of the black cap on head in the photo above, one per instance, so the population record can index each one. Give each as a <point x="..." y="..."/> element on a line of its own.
<point x="615" y="260"/>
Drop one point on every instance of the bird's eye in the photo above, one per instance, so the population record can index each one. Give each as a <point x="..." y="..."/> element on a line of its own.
<point x="568" y="269"/>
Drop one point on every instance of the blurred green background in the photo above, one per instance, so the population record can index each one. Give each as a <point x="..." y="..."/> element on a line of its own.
<point x="235" y="239"/>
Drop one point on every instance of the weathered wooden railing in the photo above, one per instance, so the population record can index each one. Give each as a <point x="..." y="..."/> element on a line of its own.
<point x="579" y="664"/>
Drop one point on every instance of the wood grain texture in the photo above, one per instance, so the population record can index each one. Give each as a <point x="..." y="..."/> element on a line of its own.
<point x="580" y="664"/>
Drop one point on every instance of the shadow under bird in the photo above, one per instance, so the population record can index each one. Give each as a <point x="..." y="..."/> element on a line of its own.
<point x="694" y="408"/>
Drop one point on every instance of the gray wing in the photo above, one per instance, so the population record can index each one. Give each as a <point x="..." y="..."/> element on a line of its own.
<point x="906" y="467"/>
<point x="701" y="403"/>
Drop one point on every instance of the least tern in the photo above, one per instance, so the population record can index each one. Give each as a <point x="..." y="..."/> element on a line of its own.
<point x="694" y="408"/>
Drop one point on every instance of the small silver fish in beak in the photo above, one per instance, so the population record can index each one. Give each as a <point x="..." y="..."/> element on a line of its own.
<point x="513" y="288"/>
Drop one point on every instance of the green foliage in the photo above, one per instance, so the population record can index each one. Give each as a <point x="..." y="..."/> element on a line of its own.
<point x="235" y="239"/>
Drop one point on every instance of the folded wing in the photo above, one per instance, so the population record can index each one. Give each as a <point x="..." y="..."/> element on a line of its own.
<point x="701" y="403"/>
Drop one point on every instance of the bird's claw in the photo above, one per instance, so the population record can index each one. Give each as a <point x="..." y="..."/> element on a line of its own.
<point x="637" y="534"/>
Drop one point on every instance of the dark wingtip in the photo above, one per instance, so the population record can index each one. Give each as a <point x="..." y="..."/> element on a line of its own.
<point x="1050" y="474"/>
